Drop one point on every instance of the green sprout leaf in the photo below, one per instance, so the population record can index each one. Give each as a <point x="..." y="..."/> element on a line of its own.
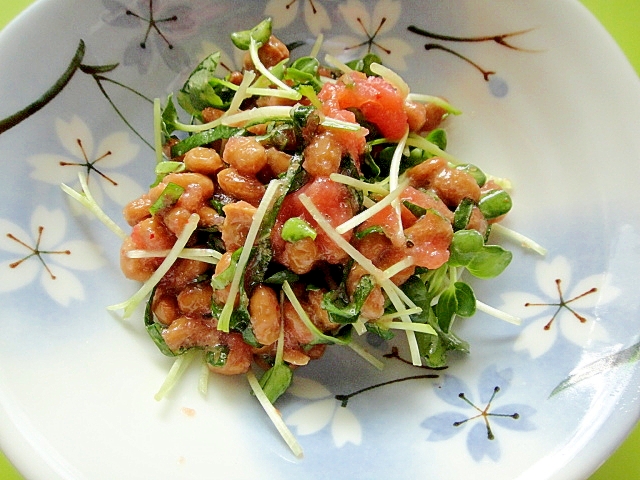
<point x="260" y="34"/>
<point x="474" y="171"/>
<point x="483" y="261"/>
<point x="458" y="299"/>
<point x="364" y="64"/>
<point x="495" y="203"/>
<point x="462" y="214"/>
<point x="304" y="71"/>
<point x="276" y="380"/>
<point x="438" y="137"/>
<point x="435" y="348"/>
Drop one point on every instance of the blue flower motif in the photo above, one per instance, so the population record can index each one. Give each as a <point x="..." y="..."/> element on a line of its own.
<point x="158" y="26"/>
<point x="479" y="415"/>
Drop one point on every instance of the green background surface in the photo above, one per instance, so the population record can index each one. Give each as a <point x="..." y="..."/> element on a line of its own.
<point x="622" y="19"/>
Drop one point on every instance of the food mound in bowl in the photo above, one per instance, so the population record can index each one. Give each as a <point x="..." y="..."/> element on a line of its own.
<point x="304" y="205"/>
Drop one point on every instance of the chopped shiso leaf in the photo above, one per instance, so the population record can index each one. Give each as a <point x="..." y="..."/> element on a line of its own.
<point x="169" y="196"/>
<point x="295" y="228"/>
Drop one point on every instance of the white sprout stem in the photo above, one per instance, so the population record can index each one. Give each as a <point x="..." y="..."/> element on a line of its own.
<point x="304" y="317"/>
<point x="392" y="77"/>
<point x="265" y="203"/>
<point x="274" y="112"/>
<point x="394" y="179"/>
<point x="340" y="124"/>
<point x="157" y="129"/>
<point x="274" y="415"/>
<point x="400" y="294"/>
<point x="394" y="170"/>
<point x="387" y="317"/>
<point x="206" y="255"/>
<point x="416" y="327"/>
<point x="147" y="287"/>
<point x="272" y="92"/>
<point x="368" y="202"/>
<point x="203" y="381"/>
<point x="365" y="214"/>
<point x="180" y="365"/>
<point x="415" y="140"/>
<point x="524" y="241"/>
<point x="388" y="285"/>
<point x="340" y="241"/>
<point x="261" y="91"/>
<point x="331" y="60"/>
<point x="253" y="51"/>
<point x="398" y="267"/>
<point x="499" y="314"/>
<point x="359" y="326"/>
<point x="87" y="201"/>
<point x="360" y="350"/>
<point x="315" y="50"/>
<point x="280" y="345"/>
<point x="441" y="102"/>
<point x="241" y="93"/>
<point x="359" y="184"/>
<point x="393" y="291"/>
<point x="414" y="350"/>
